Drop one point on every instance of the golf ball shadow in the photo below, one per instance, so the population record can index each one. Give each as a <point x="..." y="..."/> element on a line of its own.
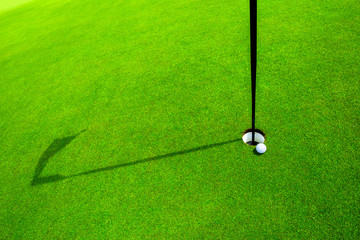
<point x="256" y="152"/>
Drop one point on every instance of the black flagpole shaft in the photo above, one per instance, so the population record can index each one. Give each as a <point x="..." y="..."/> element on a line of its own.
<point x="253" y="49"/>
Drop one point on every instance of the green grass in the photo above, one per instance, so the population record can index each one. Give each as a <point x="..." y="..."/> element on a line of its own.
<point x="5" y="5"/>
<point x="161" y="88"/>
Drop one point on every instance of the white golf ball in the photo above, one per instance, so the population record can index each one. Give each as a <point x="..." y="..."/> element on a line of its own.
<point x="261" y="148"/>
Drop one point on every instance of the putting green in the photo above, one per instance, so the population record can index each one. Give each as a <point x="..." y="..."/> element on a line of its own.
<point x="9" y="4"/>
<point x="123" y="120"/>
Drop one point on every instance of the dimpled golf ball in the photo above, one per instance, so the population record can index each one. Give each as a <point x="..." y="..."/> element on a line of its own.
<point x="261" y="148"/>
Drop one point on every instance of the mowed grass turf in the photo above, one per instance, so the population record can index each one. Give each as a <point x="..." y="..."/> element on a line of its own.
<point x="123" y="119"/>
<point x="5" y="5"/>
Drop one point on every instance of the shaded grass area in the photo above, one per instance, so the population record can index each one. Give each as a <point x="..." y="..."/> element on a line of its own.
<point x="169" y="81"/>
<point x="56" y="146"/>
<point x="59" y="144"/>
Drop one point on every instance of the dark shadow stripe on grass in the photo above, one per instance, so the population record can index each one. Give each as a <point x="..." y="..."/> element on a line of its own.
<point x="153" y="158"/>
<point x="56" y="146"/>
<point x="55" y="178"/>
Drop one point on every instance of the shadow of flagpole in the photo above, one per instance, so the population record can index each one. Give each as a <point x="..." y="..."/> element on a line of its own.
<point x="153" y="158"/>
<point x="56" y="146"/>
<point x="57" y="177"/>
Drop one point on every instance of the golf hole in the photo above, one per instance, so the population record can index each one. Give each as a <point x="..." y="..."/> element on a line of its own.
<point x="259" y="137"/>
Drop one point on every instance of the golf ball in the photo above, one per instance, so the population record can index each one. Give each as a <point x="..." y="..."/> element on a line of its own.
<point x="261" y="148"/>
